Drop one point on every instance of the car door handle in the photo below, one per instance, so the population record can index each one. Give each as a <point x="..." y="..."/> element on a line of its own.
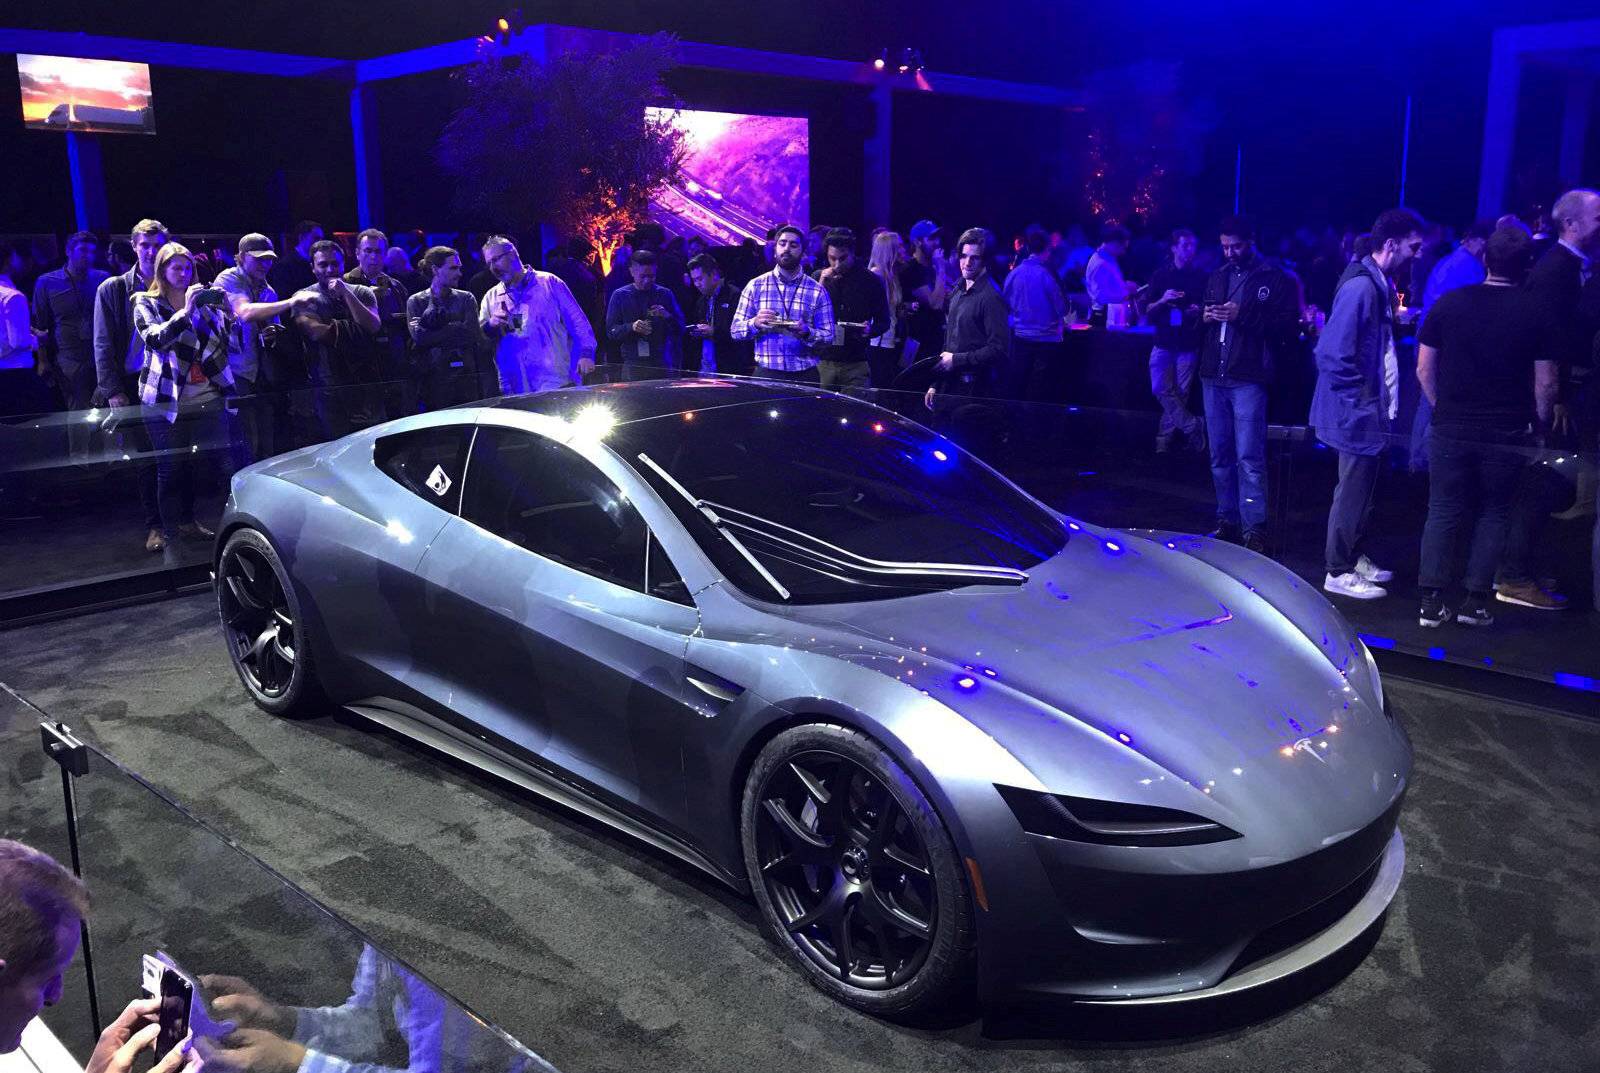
<point x="714" y="686"/>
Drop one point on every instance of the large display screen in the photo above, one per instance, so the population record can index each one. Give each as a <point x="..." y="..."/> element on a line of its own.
<point x="742" y="175"/>
<point x="101" y="96"/>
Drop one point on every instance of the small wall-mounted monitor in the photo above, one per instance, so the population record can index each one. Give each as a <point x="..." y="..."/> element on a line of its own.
<point x="98" y="96"/>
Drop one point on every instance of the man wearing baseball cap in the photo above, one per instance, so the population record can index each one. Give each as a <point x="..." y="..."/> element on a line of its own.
<point x="925" y="283"/>
<point x="256" y="370"/>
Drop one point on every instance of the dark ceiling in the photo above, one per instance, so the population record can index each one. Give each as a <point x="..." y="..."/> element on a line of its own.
<point x="1025" y="40"/>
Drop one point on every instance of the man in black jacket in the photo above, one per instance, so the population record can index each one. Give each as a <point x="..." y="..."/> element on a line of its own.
<point x="711" y="327"/>
<point x="860" y="312"/>
<point x="1249" y="312"/>
<point x="977" y="330"/>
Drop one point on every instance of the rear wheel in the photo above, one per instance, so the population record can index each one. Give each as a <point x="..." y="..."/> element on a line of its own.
<point x="857" y="879"/>
<point x="262" y="621"/>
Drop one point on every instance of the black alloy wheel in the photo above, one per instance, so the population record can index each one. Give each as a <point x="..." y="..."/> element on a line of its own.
<point x="260" y="618"/>
<point x="855" y="874"/>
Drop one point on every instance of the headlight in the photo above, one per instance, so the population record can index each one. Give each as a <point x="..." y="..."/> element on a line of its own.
<point x="1109" y="823"/>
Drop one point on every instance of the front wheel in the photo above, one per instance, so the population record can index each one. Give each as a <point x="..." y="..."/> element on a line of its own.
<point x="264" y="627"/>
<point x="857" y="879"/>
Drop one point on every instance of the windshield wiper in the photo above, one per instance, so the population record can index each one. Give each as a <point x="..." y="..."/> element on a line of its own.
<point x="719" y="524"/>
<point x="843" y="559"/>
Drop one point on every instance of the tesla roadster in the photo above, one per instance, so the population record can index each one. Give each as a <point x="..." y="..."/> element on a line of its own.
<point x="951" y="741"/>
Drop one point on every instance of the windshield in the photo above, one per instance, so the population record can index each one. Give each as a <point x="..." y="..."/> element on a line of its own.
<point x="861" y="480"/>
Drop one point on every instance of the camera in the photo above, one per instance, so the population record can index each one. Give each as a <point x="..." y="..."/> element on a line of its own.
<point x="211" y="296"/>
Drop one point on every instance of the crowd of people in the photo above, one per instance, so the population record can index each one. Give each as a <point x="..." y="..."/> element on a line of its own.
<point x="1508" y="320"/>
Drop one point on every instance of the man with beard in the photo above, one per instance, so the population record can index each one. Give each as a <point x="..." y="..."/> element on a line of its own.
<point x="335" y="319"/>
<point x="787" y="313"/>
<point x="1358" y="394"/>
<point x="542" y="337"/>
<point x="925" y="284"/>
<point x="977" y="332"/>
<point x="1250" y="310"/>
<point x="860" y="310"/>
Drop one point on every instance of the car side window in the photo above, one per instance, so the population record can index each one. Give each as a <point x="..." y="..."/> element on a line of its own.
<point x="429" y="462"/>
<point x="542" y="496"/>
<point x="663" y="578"/>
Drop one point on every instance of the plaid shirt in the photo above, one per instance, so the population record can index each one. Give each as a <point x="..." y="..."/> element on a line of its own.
<point x="804" y="301"/>
<point x="174" y="346"/>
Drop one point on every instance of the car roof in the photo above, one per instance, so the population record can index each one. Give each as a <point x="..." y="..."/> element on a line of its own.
<point x="642" y="400"/>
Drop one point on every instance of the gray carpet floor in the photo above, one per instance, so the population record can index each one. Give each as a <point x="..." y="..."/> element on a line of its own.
<point x="600" y="954"/>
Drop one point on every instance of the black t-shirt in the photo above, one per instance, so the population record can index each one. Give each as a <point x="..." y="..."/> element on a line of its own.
<point x="1487" y="339"/>
<point x="1191" y="283"/>
<point x="926" y="325"/>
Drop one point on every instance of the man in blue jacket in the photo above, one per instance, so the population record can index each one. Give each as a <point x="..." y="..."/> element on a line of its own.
<point x="1358" y="385"/>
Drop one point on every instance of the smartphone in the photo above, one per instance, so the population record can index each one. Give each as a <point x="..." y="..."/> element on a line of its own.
<point x="176" y="992"/>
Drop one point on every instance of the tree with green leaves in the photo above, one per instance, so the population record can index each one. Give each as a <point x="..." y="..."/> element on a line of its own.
<point x="566" y="142"/>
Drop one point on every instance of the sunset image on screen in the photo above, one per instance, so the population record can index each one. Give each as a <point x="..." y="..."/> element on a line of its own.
<point x="103" y="96"/>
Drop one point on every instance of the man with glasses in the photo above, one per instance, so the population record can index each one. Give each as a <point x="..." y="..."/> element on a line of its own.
<point x="1357" y="396"/>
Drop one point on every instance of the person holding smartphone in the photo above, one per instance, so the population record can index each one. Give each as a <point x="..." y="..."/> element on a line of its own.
<point x="185" y="328"/>
<point x="42" y="909"/>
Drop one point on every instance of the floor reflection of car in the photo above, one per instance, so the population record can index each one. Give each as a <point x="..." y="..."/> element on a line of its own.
<point x="947" y="737"/>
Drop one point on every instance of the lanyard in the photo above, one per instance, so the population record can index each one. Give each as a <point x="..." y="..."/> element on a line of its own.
<point x="786" y="299"/>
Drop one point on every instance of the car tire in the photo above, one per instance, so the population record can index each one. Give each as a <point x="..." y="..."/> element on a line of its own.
<point x="263" y="624"/>
<point x="869" y="887"/>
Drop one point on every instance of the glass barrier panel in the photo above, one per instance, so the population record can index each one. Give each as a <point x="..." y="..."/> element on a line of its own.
<point x="1115" y="467"/>
<point x="281" y="983"/>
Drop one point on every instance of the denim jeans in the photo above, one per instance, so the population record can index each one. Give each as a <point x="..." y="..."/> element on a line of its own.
<point x="1236" y="422"/>
<point x="1171" y="378"/>
<point x="176" y="443"/>
<point x="1468" y="468"/>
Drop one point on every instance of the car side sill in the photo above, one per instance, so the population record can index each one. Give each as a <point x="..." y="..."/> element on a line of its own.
<point x="414" y="723"/>
<point x="1324" y="944"/>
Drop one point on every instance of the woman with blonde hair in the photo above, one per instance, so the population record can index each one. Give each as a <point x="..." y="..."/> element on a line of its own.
<point x="184" y="328"/>
<point x="888" y="253"/>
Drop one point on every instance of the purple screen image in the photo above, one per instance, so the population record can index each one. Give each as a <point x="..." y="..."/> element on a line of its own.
<point x="742" y="175"/>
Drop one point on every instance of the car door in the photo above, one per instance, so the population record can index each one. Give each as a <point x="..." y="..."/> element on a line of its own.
<point x="551" y="636"/>
<point x="380" y="524"/>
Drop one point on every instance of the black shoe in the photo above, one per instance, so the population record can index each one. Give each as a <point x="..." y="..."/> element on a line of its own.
<point x="1475" y="612"/>
<point x="1226" y="531"/>
<point x="1254" y="541"/>
<point x="1434" y="613"/>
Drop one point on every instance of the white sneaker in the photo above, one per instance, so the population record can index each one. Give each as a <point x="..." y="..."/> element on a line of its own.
<point x="1354" y="586"/>
<point x="1371" y="571"/>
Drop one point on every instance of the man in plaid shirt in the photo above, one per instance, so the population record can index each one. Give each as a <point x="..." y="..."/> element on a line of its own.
<point x="787" y="313"/>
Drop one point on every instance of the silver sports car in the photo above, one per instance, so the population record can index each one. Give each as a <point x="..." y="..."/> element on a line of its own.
<point x="947" y="737"/>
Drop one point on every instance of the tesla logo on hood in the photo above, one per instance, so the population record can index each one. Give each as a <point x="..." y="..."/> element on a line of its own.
<point x="1305" y="745"/>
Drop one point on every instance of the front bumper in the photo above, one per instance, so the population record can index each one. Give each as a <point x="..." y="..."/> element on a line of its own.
<point x="1304" y="953"/>
<point x="1071" y="931"/>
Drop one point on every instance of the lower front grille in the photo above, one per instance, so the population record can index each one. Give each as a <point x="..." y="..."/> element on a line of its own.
<point x="1303" y="925"/>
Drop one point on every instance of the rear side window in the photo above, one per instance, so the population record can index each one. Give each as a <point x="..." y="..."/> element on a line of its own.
<point x="428" y="463"/>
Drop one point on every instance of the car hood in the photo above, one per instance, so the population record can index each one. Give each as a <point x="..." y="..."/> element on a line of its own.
<point x="1202" y="675"/>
